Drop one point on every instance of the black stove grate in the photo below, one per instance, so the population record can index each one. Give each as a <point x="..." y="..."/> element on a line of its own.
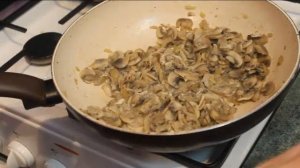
<point x="296" y="1"/>
<point x="11" y="10"/>
<point x="82" y="5"/>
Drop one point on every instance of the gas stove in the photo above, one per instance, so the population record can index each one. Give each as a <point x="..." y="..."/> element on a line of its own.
<point x="48" y="137"/>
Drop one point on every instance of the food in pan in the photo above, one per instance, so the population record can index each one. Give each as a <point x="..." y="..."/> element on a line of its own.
<point x="195" y="76"/>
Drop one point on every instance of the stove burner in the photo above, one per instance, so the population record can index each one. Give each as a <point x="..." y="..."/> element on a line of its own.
<point x="38" y="50"/>
<point x="41" y="49"/>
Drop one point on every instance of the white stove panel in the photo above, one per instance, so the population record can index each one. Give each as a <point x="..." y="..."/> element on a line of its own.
<point x="79" y="147"/>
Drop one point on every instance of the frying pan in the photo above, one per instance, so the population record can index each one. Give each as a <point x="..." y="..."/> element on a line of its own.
<point x="123" y="25"/>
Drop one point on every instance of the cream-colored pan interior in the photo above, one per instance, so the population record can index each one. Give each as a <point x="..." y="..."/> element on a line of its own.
<point x="123" y="25"/>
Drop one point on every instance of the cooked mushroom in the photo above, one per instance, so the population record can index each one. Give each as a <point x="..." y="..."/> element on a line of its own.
<point x="107" y="89"/>
<point x="174" y="79"/>
<point x="249" y="83"/>
<point x="192" y="77"/>
<point x="247" y="43"/>
<point x="236" y="74"/>
<point x="164" y="31"/>
<point x="225" y="45"/>
<point x="133" y="57"/>
<point x="247" y="96"/>
<point x="187" y="75"/>
<point x="254" y="36"/>
<point x="184" y="23"/>
<point x="153" y="103"/>
<point x="118" y="60"/>
<point x="88" y="75"/>
<point x="138" y="98"/>
<point x="234" y="58"/>
<point x="201" y="42"/>
<point x="261" y="49"/>
<point x="99" y="64"/>
<point x="216" y="33"/>
<point x="268" y="89"/>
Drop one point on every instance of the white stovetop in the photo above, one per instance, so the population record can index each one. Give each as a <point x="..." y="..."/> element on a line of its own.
<point x="55" y="118"/>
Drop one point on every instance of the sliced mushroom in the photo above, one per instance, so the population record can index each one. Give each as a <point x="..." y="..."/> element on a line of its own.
<point x="150" y="50"/>
<point x="126" y="93"/>
<point x="170" y="116"/>
<point x="138" y="98"/>
<point x="247" y="43"/>
<point x="114" y="75"/>
<point x="256" y="97"/>
<point x="201" y="42"/>
<point x="215" y="50"/>
<point x="163" y="32"/>
<point x="94" y="112"/>
<point x="214" y="58"/>
<point x="218" y="117"/>
<point x="254" y="36"/>
<point x="107" y="89"/>
<point x="189" y="47"/>
<point x="184" y="55"/>
<point x="118" y="60"/>
<point x="174" y="79"/>
<point x="204" y="24"/>
<point x="268" y="88"/>
<point x="263" y="39"/>
<point x="201" y="69"/>
<point x="236" y="74"/>
<point x="215" y="33"/>
<point x="250" y="49"/>
<point x="158" y="123"/>
<point x="234" y="58"/>
<point x="181" y="35"/>
<point x="99" y="64"/>
<point x="262" y="71"/>
<point x="249" y="83"/>
<point x="247" y="96"/>
<point x="151" y="104"/>
<point x="128" y="117"/>
<point x="111" y="118"/>
<point x="133" y="57"/>
<point x="207" y="80"/>
<point x="190" y="36"/>
<point x="184" y="23"/>
<point x="261" y="49"/>
<point x="175" y="106"/>
<point x="225" y="45"/>
<point x="172" y="61"/>
<point x="193" y="108"/>
<point x="140" y="52"/>
<point x="137" y="126"/>
<point x="158" y="69"/>
<point x="187" y="75"/>
<point x="88" y="75"/>
<point x="265" y="60"/>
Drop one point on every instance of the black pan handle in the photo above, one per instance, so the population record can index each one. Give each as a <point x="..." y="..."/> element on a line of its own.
<point x="34" y="92"/>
